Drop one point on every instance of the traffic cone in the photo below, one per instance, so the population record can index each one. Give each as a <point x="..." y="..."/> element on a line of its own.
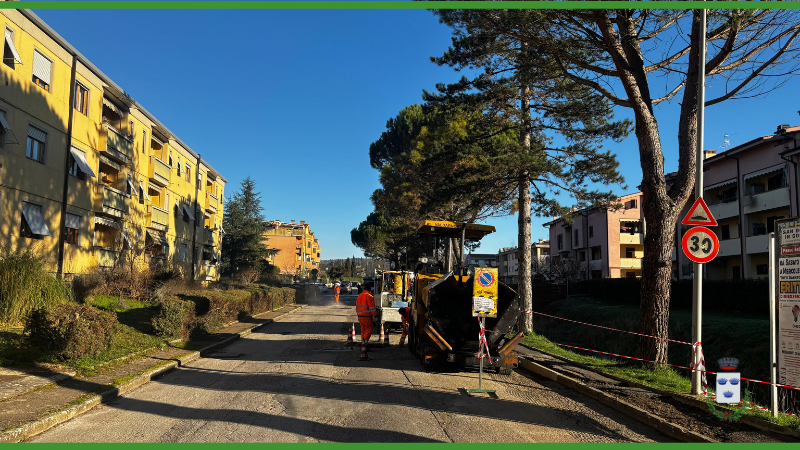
<point x="403" y="336"/>
<point x="351" y="338"/>
<point x="382" y="337"/>
<point x="386" y="339"/>
<point x="364" y="356"/>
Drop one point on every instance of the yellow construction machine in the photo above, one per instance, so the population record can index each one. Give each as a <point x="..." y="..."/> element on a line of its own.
<point x="445" y="327"/>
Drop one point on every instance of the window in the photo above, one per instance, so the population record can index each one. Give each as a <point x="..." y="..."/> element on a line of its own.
<point x="4" y="127"/>
<point x="131" y="129"/>
<point x="776" y="182"/>
<point x="74" y="168"/>
<point x="735" y="272"/>
<point x="771" y="223"/>
<point x="560" y="239"/>
<point x="630" y="252"/>
<point x="183" y="252"/>
<point x="170" y="158"/>
<point x="630" y="204"/>
<point x="591" y="231"/>
<point x="762" y="269"/>
<point x="166" y="204"/>
<point x="10" y="54"/>
<point x="37" y="143"/>
<point x="42" y="69"/>
<point x="144" y="141"/>
<point x="630" y="274"/>
<point x="81" y="98"/>
<point x="32" y="224"/>
<point x="188" y="174"/>
<point x="194" y="255"/>
<point x="199" y="180"/>
<point x="575" y="244"/>
<point x="72" y="226"/>
<point x="179" y="166"/>
<point x="726" y="232"/>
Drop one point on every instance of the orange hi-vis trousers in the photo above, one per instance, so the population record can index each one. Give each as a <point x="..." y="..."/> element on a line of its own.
<point x="366" y="327"/>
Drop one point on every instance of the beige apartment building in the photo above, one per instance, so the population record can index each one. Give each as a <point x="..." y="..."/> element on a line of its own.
<point x="605" y="243"/>
<point x="508" y="261"/>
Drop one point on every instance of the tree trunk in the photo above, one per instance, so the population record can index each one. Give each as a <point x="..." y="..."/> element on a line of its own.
<point x="524" y="230"/>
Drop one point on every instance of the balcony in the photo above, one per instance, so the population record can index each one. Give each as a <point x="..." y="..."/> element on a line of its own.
<point x="158" y="218"/>
<point x="209" y="236"/>
<point x="117" y="147"/>
<point x="106" y="257"/>
<point x="730" y="247"/>
<point x="211" y="203"/>
<point x="595" y="264"/>
<point x="777" y="198"/>
<point x="114" y="202"/>
<point x="630" y="263"/>
<point x="757" y="244"/>
<point x="159" y="171"/>
<point x="725" y="210"/>
<point x="628" y="238"/>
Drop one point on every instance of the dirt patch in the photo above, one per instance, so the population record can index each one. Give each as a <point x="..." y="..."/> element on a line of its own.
<point x="689" y="417"/>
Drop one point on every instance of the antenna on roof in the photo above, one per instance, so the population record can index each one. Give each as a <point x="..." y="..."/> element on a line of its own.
<point x="726" y="141"/>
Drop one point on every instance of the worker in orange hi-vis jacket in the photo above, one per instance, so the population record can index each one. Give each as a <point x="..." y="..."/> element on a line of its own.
<point x="367" y="313"/>
<point x="336" y="291"/>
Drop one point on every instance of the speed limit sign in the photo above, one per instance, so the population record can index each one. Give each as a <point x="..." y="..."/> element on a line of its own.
<point x="700" y="244"/>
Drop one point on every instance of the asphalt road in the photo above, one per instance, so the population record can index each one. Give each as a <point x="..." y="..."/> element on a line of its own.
<point x="296" y="380"/>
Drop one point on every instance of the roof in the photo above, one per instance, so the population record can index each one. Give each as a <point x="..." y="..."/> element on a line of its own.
<point x="116" y="90"/>
<point x="453" y="229"/>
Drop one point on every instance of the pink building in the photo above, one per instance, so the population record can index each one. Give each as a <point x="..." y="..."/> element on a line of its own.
<point x="605" y="243"/>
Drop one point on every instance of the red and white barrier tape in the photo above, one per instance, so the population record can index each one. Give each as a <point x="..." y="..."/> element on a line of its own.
<point x="697" y="348"/>
<point x="606" y="328"/>
<point x="482" y="344"/>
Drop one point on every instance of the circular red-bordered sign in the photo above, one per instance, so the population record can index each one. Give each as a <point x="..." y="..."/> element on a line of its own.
<point x="486" y="279"/>
<point x="700" y="244"/>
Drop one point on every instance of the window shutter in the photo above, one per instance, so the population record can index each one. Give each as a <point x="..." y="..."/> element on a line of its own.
<point x="41" y="66"/>
<point x="37" y="134"/>
<point x="73" y="221"/>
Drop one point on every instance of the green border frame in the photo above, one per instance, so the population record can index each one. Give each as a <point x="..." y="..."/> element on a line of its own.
<point x="392" y="4"/>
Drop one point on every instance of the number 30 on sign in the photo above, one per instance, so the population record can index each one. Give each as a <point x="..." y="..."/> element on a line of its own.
<point x="700" y="244"/>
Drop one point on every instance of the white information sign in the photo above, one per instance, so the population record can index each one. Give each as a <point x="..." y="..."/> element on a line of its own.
<point x="788" y="323"/>
<point x="790" y="235"/>
<point x="482" y="304"/>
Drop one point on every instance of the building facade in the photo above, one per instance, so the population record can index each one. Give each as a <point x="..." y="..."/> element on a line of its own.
<point x="601" y="243"/>
<point x="508" y="261"/>
<point x="87" y="174"/>
<point x="297" y="249"/>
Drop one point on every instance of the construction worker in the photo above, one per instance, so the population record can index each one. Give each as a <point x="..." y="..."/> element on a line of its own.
<point x="367" y="313"/>
<point x="336" y="291"/>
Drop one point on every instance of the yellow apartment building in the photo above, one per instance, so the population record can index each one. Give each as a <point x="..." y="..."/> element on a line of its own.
<point x="297" y="249"/>
<point x="87" y="174"/>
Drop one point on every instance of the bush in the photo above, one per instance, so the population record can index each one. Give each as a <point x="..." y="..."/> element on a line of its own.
<point x="747" y="296"/>
<point x="246" y="276"/>
<point x="70" y="330"/>
<point x="221" y="311"/>
<point x="175" y="318"/>
<point x="26" y="285"/>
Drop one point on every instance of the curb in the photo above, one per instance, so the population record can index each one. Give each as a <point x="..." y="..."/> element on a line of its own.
<point x="31" y="429"/>
<point x="631" y="411"/>
<point x="686" y="399"/>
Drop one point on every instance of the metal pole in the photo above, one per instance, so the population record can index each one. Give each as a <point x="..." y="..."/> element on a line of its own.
<point x="697" y="285"/>
<point x="773" y="273"/>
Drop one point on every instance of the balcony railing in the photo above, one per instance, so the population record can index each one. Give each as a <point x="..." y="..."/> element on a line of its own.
<point x="631" y="239"/>
<point x="211" y="202"/>
<point x="730" y="247"/>
<point x="159" y="218"/>
<point x="757" y="244"/>
<point x="776" y="198"/>
<point x="209" y="236"/>
<point x="630" y="263"/>
<point x="117" y="147"/>
<point x="725" y="210"/>
<point x="106" y="257"/>
<point x="114" y="202"/>
<point x="595" y="264"/>
<point x="159" y="171"/>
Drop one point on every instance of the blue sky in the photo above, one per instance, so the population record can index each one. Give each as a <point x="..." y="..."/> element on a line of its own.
<point x="294" y="98"/>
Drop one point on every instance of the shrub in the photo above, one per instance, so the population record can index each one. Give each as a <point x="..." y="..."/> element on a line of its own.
<point x="70" y="330"/>
<point x="246" y="276"/>
<point x="88" y="284"/>
<point x="26" y="285"/>
<point x="175" y="318"/>
<point x="221" y="311"/>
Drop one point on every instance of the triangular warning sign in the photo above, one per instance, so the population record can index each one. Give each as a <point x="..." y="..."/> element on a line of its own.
<point x="699" y="216"/>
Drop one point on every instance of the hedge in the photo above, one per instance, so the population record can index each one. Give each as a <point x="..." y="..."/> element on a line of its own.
<point x="748" y="295"/>
<point x="175" y="318"/>
<point x="216" y="308"/>
<point x="70" y="330"/>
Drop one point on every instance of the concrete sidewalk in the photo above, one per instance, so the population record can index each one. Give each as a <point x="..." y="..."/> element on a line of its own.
<point x="35" y="400"/>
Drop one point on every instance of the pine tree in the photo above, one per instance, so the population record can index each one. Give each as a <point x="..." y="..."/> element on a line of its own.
<point x="243" y="244"/>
